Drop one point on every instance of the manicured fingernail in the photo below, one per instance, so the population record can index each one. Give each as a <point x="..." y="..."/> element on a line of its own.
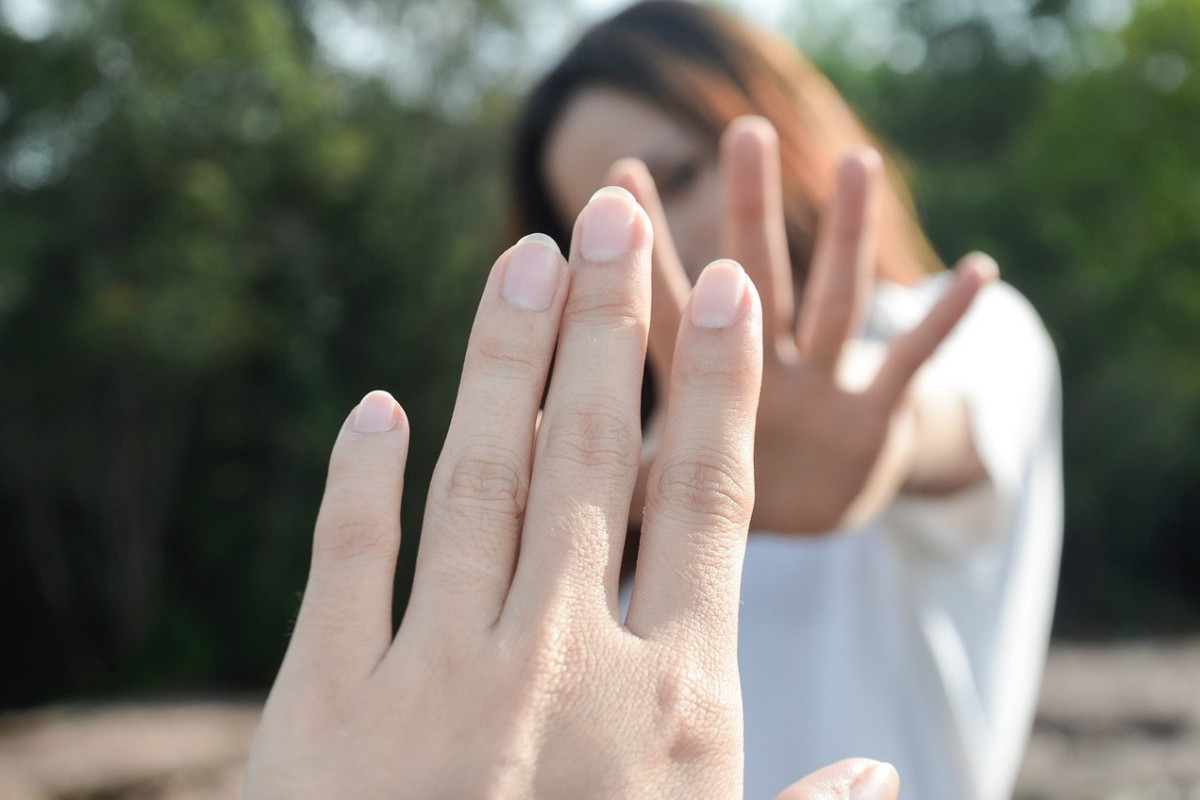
<point x="607" y="224"/>
<point x="718" y="294"/>
<point x="532" y="273"/>
<point x="874" y="783"/>
<point x="375" y="414"/>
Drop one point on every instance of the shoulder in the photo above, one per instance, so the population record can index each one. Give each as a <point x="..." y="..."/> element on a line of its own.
<point x="1001" y="310"/>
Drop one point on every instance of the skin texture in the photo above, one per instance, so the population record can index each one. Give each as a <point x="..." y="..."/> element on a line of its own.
<point x="840" y="429"/>
<point x="512" y="674"/>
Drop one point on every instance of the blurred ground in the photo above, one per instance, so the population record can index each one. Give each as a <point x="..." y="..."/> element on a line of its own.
<point x="1115" y="723"/>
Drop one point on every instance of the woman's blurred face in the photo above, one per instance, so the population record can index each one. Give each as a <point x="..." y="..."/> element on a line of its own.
<point x="601" y="126"/>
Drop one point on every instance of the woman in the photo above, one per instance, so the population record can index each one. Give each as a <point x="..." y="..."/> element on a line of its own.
<point x="914" y="409"/>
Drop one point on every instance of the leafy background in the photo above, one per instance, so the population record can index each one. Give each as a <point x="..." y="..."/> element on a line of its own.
<point x="223" y="221"/>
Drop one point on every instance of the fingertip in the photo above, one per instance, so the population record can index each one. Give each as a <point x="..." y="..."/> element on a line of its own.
<point x="746" y="140"/>
<point x="531" y="272"/>
<point x="860" y="167"/>
<point x="608" y="224"/>
<point x="629" y="173"/>
<point x="981" y="266"/>
<point x="378" y="412"/>
<point x="876" y="780"/>
<point x="719" y="294"/>
<point x="750" y="128"/>
<point x="865" y="157"/>
<point x="612" y="194"/>
<point x="750" y="165"/>
<point x="850" y="779"/>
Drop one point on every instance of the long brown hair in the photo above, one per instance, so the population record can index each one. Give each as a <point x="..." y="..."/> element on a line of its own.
<point x="706" y="68"/>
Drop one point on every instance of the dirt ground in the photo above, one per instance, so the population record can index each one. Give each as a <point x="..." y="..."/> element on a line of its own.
<point x="1115" y="722"/>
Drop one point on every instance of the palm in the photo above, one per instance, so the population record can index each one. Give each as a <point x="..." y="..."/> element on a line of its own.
<point x="815" y="447"/>
<point x="834" y="425"/>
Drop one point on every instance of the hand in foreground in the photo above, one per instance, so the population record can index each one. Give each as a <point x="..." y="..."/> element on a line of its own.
<point x="512" y="674"/>
<point x="827" y="453"/>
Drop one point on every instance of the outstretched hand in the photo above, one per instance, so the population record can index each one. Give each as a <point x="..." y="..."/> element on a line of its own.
<point x="512" y="674"/>
<point x="830" y="449"/>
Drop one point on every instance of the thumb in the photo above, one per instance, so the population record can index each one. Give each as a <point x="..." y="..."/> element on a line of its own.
<point x="852" y="779"/>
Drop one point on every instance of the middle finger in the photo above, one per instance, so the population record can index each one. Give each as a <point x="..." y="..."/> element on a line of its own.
<point x="754" y="234"/>
<point x="589" y="443"/>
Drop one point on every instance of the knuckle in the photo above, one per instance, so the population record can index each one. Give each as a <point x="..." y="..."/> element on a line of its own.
<point x="727" y="371"/>
<point x="593" y="436"/>
<point x="355" y="536"/>
<point x="482" y="476"/>
<point x="507" y="354"/>
<point x="713" y="487"/>
<point x="605" y="308"/>
<point x="551" y="654"/>
<point x="696" y="709"/>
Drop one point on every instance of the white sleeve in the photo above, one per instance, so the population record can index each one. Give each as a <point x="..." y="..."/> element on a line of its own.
<point x="983" y="562"/>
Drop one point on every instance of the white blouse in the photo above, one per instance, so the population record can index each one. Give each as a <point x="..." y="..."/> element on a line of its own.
<point x="919" y="638"/>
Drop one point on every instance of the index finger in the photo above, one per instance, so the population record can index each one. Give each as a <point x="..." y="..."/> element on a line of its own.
<point x="754" y="233"/>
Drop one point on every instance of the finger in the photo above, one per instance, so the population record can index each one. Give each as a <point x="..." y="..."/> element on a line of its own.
<point x="754" y="233"/>
<point x="345" y="621"/>
<point x="852" y="779"/>
<point x="700" y="491"/>
<point x="588" y="445"/>
<point x="669" y="285"/>
<point x="843" y="268"/>
<point x="480" y="486"/>
<point x="910" y="351"/>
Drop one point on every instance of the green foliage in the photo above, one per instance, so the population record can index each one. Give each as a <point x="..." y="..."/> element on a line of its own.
<point x="1110" y="170"/>
<point x="210" y="247"/>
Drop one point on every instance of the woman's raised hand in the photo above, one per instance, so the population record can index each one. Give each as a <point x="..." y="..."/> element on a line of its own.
<point x="512" y="674"/>
<point x="829" y="451"/>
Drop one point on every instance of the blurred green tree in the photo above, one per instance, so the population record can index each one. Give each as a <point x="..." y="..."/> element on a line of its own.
<point x="212" y="242"/>
<point x="1106" y="196"/>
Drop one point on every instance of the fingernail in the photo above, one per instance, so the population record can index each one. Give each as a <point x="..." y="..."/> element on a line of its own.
<point x="607" y="224"/>
<point x="718" y="294"/>
<point x="532" y="273"/>
<point x="375" y="414"/>
<point x="875" y="783"/>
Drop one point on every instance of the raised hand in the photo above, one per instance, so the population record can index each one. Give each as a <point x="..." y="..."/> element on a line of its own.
<point x="839" y="430"/>
<point x="512" y="674"/>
